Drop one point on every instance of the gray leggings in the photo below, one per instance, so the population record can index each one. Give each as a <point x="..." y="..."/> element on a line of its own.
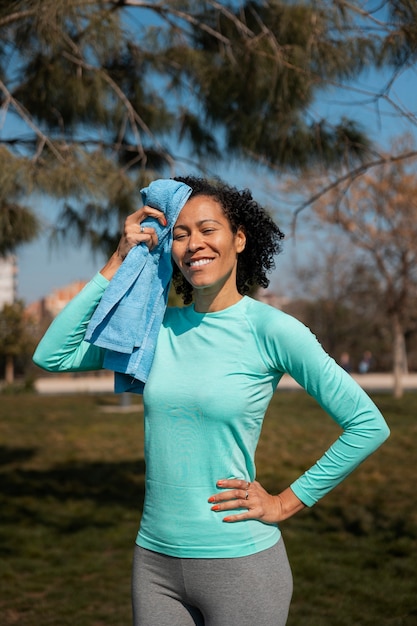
<point x="245" y="591"/>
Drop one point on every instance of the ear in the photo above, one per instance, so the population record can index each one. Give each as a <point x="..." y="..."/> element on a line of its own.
<point x="240" y="240"/>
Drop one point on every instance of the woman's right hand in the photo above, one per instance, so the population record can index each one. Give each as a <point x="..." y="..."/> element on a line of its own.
<point x="133" y="234"/>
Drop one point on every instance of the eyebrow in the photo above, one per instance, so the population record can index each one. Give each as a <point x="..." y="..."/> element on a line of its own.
<point x="200" y="223"/>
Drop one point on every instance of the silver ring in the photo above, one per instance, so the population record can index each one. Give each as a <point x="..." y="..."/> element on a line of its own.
<point x="142" y="229"/>
<point x="247" y="496"/>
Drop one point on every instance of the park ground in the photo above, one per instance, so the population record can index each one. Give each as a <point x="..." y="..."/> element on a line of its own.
<point x="71" y="491"/>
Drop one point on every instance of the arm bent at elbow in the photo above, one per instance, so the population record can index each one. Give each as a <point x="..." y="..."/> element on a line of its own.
<point x="62" y="348"/>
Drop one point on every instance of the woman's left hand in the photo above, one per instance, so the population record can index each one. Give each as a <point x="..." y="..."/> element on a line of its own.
<point x="259" y="503"/>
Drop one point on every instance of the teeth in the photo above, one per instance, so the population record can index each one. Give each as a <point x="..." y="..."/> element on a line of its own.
<point x="200" y="262"/>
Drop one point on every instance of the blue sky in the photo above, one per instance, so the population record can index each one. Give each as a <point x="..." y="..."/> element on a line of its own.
<point x="42" y="269"/>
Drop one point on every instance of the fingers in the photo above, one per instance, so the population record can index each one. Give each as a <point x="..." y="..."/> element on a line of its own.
<point x="240" y="494"/>
<point x="143" y="234"/>
<point x="239" y="485"/>
<point x="236" y="497"/>
<point x="146" y="211"/>
<point x="135" y="232"/>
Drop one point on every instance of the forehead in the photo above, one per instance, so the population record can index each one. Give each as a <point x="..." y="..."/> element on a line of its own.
<point x="201" y="208"/>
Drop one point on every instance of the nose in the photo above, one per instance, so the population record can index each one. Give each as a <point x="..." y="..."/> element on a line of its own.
<point x="194" y="241"/>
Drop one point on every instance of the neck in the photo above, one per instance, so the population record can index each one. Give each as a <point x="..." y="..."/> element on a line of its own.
<point x="211" y="303"/>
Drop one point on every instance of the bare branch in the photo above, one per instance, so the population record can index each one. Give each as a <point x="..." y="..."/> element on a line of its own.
<point x="350" y="176"/>
<point x="354" y="8"/>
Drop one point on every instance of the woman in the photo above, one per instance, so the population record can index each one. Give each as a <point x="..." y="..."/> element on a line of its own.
<point x="209" y="550"/>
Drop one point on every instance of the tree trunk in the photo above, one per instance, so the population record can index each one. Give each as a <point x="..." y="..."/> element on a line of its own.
<point x="400" y="366"/>
<point x="9" y="370"/>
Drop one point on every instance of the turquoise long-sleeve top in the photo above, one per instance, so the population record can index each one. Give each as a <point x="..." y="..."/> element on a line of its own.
<point x="211" y="381"/>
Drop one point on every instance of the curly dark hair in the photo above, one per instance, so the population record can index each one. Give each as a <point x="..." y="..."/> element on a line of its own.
<point x="263" y="237"/>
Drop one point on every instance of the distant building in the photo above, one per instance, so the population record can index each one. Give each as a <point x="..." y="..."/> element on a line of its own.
<point x="51" y="305"/>
<point x="8" y="280"/>
<point x="55" y="302"/>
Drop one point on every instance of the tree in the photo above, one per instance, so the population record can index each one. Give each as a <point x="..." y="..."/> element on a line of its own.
<point x="18" y="223"/>
<point x="378" y="214"/>
<point x="338" y="297"/>
<point x="105" y="95"/>
<point x="16" y="339"/>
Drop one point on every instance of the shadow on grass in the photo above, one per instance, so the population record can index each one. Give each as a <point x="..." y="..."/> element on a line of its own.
<point x="106" y="484"/>
<point x="9" y="455"/>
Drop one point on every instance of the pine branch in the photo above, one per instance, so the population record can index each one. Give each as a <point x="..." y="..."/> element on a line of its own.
<point x="164" y="9"/>
<point x="15" y="17"/>
<point x="28" y="120"/>
<point x="134" y="118"/>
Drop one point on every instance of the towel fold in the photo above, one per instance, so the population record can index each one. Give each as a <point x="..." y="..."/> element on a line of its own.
<point x="128" y="318"/>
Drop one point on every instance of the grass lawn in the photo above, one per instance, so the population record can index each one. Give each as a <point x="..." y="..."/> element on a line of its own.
<point x="72" y="477"/>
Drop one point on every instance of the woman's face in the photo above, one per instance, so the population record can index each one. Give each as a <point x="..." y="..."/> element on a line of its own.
<point x="204" y="247"/>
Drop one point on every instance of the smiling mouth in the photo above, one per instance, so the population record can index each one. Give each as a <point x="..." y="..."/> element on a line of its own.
<point x="199" y="262"/>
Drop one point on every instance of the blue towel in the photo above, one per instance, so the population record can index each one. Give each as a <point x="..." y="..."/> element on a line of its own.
<point x="129" y="315"/>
